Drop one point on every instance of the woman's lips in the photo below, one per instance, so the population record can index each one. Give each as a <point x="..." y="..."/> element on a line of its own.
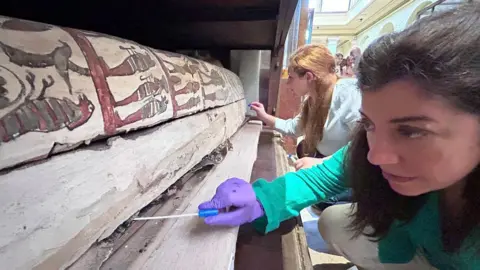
<point x="396" y="178"/>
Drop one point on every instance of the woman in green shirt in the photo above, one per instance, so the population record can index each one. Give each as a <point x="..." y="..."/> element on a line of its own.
<point x="412" y="165"/>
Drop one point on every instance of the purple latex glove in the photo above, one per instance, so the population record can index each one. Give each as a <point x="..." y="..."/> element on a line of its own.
<point x="238" y="195"/>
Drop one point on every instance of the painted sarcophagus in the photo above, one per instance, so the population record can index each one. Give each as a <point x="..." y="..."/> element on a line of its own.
<point x="119" y="122"/>
<point x="60" y="87"/>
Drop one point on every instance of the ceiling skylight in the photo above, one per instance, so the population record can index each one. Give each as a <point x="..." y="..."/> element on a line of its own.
<point x="335" y="5"/>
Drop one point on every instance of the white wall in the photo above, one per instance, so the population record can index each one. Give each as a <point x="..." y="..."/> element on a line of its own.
<point x="345" y="47"/>
<point x="246" y="64"/>
<point x="338" y="18"/>
<point x="400" y="19"/>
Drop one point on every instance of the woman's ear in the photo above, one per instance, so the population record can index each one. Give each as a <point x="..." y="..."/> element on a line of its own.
<point x="310" y="76"/>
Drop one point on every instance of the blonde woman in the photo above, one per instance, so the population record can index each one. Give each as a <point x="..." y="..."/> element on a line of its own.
<point x="329" y="113"/>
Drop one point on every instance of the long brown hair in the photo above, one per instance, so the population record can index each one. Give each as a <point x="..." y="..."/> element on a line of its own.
<point x="318" y="60"/>
<point x="439" y="53"/>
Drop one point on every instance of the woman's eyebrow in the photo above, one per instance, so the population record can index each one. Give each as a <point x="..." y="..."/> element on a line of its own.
<point x="363" y="114"/>
<point x="411" y="118"/>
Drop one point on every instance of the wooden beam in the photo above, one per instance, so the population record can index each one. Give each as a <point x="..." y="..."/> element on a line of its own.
<point x="294" y="243"/>
<point x="282" y="248"/>
<point x="169" y="27"/>
<point x="286" y="11"/>
<point x="274" y="81"/>
<point x="232" y="34"/>
<point x="230" y="3"/>
<point x="218" y="13"/>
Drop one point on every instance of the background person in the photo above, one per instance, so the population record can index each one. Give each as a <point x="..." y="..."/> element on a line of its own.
<point x="329" y="112"/>
<point x="328" y="116"/>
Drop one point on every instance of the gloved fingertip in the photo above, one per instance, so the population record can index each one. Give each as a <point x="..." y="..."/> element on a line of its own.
<point x="220" y="220"/>
<point x="205" y="205"/>
<point x="211" y="221"/>
<point x="215" y="203"/>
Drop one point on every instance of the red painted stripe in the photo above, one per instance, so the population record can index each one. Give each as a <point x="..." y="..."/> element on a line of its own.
<point x="169" y="81"/>
<point x="105" y="98"/>
<point x="3" y="132"/>
<point x="65" y="116"/>
<point x="42" y="124"/>
<point x="52" y="114"/>
<point x="20" y="124"/>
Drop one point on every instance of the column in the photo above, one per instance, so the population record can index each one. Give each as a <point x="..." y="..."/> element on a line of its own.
<point x="246" y="63"/>
<point x="332" y="43"/>
<point x="302" y="27"/>
<point x="354" y="41"/>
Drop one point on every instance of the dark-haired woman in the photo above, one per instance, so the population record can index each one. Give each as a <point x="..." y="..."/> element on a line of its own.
<point x="413" y="166"/>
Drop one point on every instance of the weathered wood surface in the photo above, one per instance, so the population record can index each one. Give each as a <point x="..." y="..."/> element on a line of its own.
<point x="294" y="243"/>
<point x="189" y="243"/>
<point x="61" y="87"/>
<point x="51" y="212"/>
<point x="121" y="249"/>
<point x="186" y="243"/>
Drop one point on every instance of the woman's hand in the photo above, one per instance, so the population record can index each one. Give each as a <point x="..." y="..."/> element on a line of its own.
<point x="262" y="114"/>
<point x="307" y="162"/>
<point x="259" y="109"/>
<point x="237" y="196"/>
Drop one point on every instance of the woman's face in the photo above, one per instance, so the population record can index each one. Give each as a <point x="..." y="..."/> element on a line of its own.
<point x="421" y="143"/>
<point x="338" y="59"/>
<point x="301" y="85"/>
<point x="350" y="61"/>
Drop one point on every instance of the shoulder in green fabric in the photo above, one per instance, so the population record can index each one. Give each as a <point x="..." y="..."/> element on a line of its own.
<point x="287" y="195"/>
<point x="422" y="236"/>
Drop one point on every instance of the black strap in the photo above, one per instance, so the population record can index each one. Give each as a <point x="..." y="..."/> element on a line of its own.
<point x="301" y="153"/>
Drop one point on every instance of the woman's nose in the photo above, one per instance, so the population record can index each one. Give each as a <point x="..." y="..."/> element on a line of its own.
<point x="382" y="153"/>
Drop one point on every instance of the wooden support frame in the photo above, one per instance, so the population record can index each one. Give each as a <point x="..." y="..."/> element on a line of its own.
<point x="287" y="9"/>
<point x="294" y="243"/>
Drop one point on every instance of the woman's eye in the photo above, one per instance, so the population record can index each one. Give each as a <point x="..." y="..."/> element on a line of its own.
<point x="412" y="133"/>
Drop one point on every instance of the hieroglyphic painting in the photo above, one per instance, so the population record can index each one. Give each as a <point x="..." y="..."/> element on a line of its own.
<point x="183" y="77"/>
<point x="27" y="103"/>
<point x="227" y="91"/>
<point x="137" y="73"/>
<point x="197" y="83"/>
<point x="62" y="85"/>
<point x="41" y="114"/>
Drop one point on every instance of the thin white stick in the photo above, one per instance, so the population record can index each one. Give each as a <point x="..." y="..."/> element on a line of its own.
<point x="165" y="217"/>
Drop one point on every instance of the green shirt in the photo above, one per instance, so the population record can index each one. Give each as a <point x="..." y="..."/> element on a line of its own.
<point x="287" y="195"/>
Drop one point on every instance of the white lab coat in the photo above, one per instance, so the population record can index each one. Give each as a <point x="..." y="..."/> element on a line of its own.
<point x="342" y="118"/>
